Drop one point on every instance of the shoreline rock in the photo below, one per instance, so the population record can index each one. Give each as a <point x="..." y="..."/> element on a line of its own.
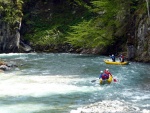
<point x="5" y="66"/>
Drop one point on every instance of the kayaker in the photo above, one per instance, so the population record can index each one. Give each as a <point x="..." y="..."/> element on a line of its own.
<point x="107" y="72"/>
<point x="113" y="57"/>
<point x="103" y="76"/>
<point x="101" y="73"/>
<point x="121" y="58"/>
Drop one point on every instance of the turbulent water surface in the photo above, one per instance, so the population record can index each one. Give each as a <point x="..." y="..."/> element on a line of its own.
<point x="61" y="83"/>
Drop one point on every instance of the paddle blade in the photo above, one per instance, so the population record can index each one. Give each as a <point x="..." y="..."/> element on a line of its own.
<point x="115" y="80"/>
<point x="93" y="81"/>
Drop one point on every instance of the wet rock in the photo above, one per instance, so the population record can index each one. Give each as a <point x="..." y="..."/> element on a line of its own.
<point x="4" y="68"/>
<point x="2" y="63"/>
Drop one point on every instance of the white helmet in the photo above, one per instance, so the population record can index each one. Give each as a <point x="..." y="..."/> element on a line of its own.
<point x="101" y="71"/>
<point x="107" y="69"/>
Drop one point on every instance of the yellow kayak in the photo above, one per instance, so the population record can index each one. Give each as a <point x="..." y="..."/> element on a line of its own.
<point x="115" y="63"/>
<point x="107" y="81"/>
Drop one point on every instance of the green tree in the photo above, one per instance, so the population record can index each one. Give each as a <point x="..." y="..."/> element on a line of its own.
<point x="97" y="31"/>
<point x="11" y="10"/>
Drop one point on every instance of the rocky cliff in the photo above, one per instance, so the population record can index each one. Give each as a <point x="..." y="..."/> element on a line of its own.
<point x="10" y="25"/>
<point x="138" y="44"/>
<point x="9" y="38"/>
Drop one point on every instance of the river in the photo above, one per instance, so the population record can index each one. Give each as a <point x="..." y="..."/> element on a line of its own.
<point x="62" y="83"/>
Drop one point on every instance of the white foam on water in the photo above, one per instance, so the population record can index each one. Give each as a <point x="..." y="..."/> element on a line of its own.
<point x="142" y="97"/>
<point x="11" y="54"/>
<point x="17" y="88"/>
<point x="16" y="54"/>
<point x="107" y="106"/>
<point x="24" y="108"/>
<point x="127" y="93"/>
<point x="145" y="111"/>
<point x="38" y="86"/>
<point x="138" y="96"/>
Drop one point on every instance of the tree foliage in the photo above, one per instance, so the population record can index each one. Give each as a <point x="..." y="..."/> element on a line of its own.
<point x="11" y="10"/>
<point x="82" y="23"/>
<point x="105" y="25"/>
<point x="99" y="30"/>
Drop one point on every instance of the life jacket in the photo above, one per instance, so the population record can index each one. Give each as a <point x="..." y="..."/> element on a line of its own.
<point x="105" y="76"/>
<point x="107" y="72"/>
<point x="122" y="58"/>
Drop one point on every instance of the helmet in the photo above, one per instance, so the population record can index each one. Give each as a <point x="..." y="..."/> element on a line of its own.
<point x="112" y="54"/>
<point x="107" y="69"/>
<point x="101" y="71"/>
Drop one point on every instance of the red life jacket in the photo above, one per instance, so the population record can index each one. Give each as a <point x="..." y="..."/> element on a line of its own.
<point x="105" y="76"/>
<point x="107" y="72"/>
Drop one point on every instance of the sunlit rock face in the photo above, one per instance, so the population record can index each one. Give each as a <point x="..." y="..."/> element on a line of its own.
<point x="10" y="23"/>
<point x="143" y="41"/>
<point x="139" y="43"/>
<point x="9" y="37"/>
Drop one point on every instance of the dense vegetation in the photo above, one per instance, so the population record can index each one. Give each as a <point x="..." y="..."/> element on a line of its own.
<point x="11" y="11"/>
<point x="81" y="23"/>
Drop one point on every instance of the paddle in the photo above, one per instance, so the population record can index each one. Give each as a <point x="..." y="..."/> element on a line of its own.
<point x="115" y="80"/>
<point x="93" y="81"/>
